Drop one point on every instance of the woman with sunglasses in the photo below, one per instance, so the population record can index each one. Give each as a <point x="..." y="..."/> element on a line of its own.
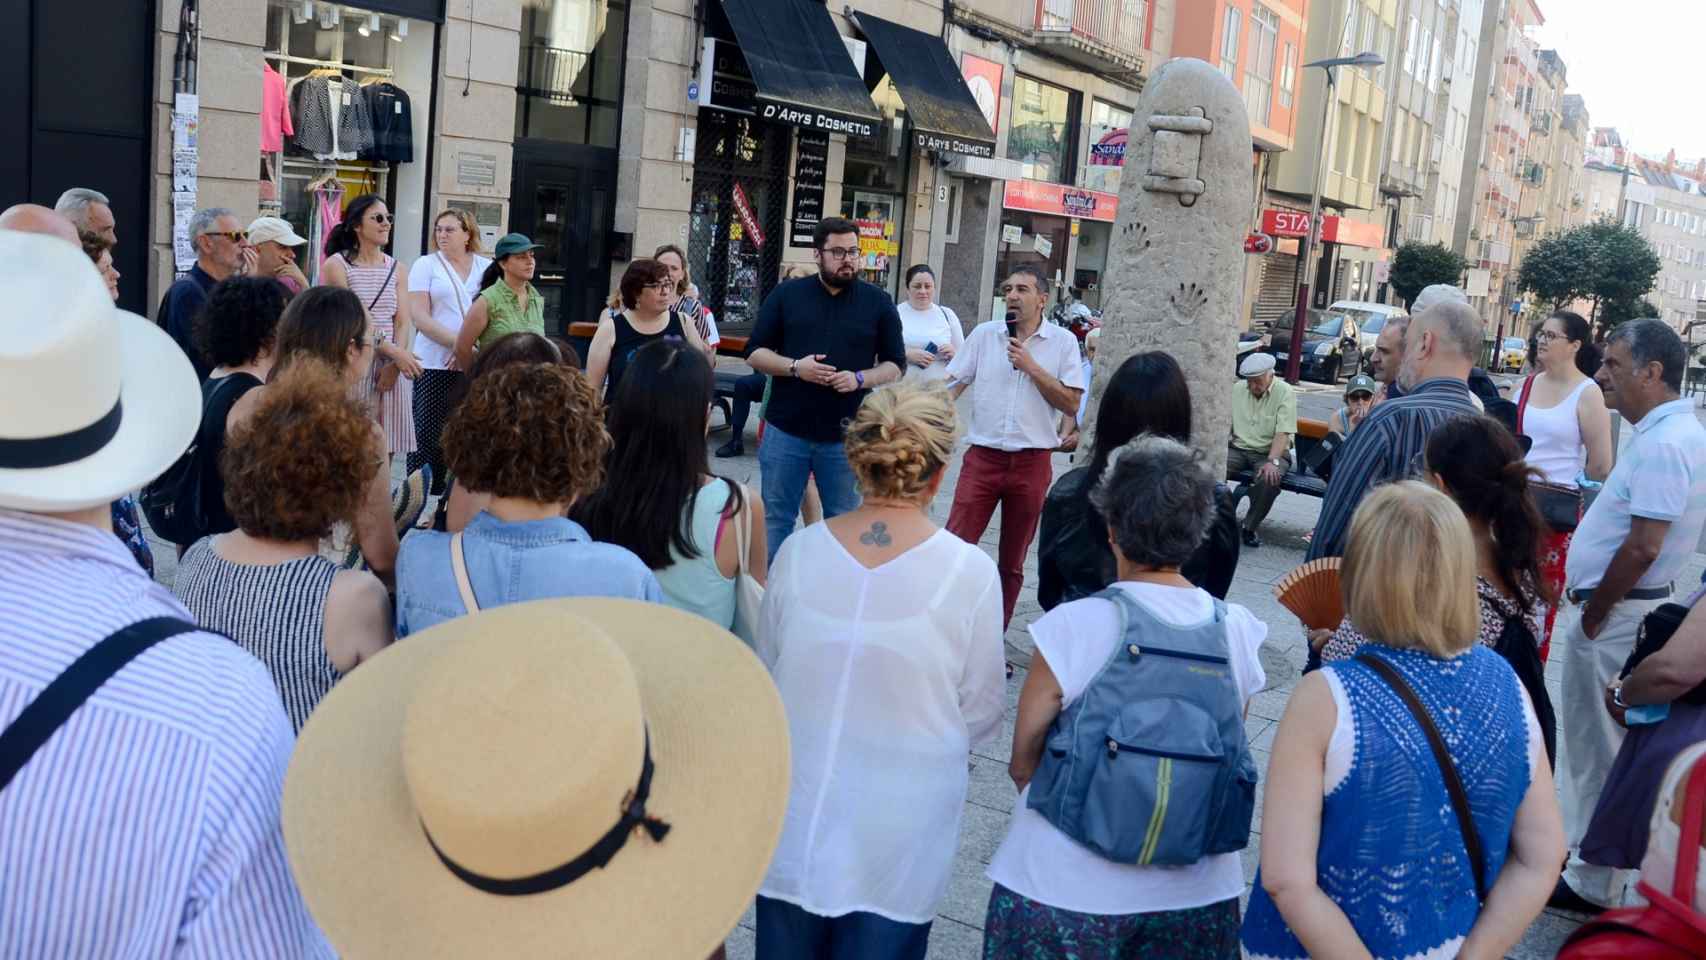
<point x="508" y="302"/>
<point x="639" y="314"/>
<point x="356" y="260"/>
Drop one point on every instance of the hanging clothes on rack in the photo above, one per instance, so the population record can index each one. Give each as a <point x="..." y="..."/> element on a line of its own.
<point x="333" y="120"/>
<point x="327" y="211"/>
<point x="275" y="117"/>
<point x="392" y="123"/>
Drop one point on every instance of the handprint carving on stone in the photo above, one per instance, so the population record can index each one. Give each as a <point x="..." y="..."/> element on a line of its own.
<point x="1188" y="300"/>
<point x="1137" y="235"/>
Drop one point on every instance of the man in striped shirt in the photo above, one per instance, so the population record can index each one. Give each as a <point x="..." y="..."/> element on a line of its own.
<point x="1439" y="349"/>
<point x="147" y="824"/>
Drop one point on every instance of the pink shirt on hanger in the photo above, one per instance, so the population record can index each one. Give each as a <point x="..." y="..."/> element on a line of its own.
<point x="275" y="117"/>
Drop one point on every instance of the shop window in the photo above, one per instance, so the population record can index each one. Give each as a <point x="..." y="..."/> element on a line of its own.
<point x="1109" y="132"/>
<point x="735" y="240"/>
<point x="345" y="61"/>
<point x="1043" y="240"/>
<point x="1044" y="118"/>
<point x="569" y="79"/>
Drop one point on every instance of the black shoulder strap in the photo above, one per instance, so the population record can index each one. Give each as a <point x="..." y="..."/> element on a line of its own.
<point x="1447" y="769"/>
<point x="68" y="691"/>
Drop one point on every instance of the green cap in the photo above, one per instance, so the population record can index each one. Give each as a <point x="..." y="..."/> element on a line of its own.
<point x="1361" y="383"/>
<point x="513" y="243"/>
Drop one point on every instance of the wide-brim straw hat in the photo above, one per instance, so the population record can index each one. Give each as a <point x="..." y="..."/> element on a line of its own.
<point x="516" y="739"/>
<point x="95" y="402"/>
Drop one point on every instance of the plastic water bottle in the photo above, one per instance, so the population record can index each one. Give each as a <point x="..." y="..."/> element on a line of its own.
<point x="1646" y="713"/>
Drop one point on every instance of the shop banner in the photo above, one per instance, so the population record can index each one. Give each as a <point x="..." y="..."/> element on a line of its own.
<point x="810" y="169"/>
<point x="750" y="222"/>
<point x="984" y="79"/>
<point x="1285" y="223"/>
<point x="726" y="83"/>
<point x="1295" y="223"/>
<point x="946" y="143"/>
<point x="1110" y="150"/>
<point x="1035" y="196"/>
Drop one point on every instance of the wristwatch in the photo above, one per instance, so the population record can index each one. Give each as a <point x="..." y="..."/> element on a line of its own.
<point x="1617" y="697"/>
<point x="1274" y="460"/>
<point x="791" y="372"/>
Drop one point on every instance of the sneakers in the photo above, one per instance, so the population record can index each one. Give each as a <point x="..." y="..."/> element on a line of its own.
<point x="1250" y="539"/>
<point x="1566" y="898"/>
<point x="733" y="448"/>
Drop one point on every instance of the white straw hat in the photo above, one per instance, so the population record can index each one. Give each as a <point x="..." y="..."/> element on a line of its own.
<point x="592" y="778"/>
<point x="95" y="402"/>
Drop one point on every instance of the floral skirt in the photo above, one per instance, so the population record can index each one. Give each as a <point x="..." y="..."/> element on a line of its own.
<point x="1555" y="550"/>
<point x="1019" y="928"/>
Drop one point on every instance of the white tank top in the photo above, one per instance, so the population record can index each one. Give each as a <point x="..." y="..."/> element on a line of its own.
<point x="1558" y="451"/>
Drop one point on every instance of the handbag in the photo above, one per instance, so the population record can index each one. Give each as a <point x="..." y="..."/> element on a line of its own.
<point x="1657" y="627"/>
<point x="1668" y="926"/>
<point x="1560" y="506"/>
<point x="459" y="566"/>
<point x="749" y="593"/>
<point x="1447" y="769"/>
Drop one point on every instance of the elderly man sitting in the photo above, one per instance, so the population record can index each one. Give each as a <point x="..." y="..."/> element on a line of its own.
<point x="1264" y="418"/>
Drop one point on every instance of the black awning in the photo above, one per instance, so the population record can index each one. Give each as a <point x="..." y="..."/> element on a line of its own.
<point x="940" y="106"/>
<point x="801" y="71"/>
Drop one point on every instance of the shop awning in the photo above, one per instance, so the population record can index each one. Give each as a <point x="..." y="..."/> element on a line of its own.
<point x="801" y="71"/>
<point x="940" y="106"/>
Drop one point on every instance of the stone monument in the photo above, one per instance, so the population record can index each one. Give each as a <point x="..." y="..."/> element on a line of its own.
<point x="1175" y="273"/>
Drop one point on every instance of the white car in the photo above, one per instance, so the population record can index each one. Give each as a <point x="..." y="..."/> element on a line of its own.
<point x="1369" y="317"/>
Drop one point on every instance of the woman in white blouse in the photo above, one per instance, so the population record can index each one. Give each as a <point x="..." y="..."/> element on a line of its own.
<point x="442" y="288"/>
<point x="932" y="331"/>
<point x="883" y="633"/>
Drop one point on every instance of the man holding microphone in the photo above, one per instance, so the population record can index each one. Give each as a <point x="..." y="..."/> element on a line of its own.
<point x="1025" y="376"/>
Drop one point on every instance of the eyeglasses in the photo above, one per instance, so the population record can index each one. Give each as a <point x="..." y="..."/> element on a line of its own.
<point x="1547" y="336"/>
<point x="235" y="236"/>
<point x="447" y="228"/>
<point x="841" y="253"/>
<point x="664" y="285"/>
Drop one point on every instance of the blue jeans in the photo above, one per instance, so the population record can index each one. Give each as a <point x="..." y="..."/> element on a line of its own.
<point x="784" y="463"/>
<point x="787" y="932"/>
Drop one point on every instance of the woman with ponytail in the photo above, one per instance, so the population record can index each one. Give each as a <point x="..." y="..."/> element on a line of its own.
<point x="1479" y="465"/>
<point x="1562" y="411"/>
<point x="356" y="261"/>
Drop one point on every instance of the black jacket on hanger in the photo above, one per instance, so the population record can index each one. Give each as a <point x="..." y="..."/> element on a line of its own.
<point x="392" y="122"/>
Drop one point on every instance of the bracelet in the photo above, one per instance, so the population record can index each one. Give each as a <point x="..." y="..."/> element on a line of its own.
<point x="791" y="372"/>
<point x="859" y="378"/>
<point x="1617" y="697"/>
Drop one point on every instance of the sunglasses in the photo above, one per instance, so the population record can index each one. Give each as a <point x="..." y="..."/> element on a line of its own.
<point x="381" y="218"/>
<point x="235" y="236"/>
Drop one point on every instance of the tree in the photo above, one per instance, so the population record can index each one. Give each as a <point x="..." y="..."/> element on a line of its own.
<point x="1558" y="269"/>
<point x="1417" y="266"/>
<point x="1606" y="263"/>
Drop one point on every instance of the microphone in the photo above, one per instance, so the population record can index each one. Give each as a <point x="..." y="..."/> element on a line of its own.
<point x="1013" y="328"/>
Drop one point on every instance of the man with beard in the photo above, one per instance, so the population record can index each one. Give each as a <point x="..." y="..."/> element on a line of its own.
<point x="1439" y="349"/>
<point x="825" y="341"/>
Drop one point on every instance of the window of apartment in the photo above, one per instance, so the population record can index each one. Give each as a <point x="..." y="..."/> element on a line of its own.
<point x="569" y="83"/>
<point x="1347" y="43"/>
<point x="1043" y="121"/>
<point x="1288" y="75"/>
<point x="1370" y="29"/>
<point x="1383" y="46"/>
<point x="1428" y="58"/>
<point x="1410" y="47"/>
<point x="1357" y="131"/>
<point x="1344" y="132"/>
<point x="1229" y="43"/>
<point x="1259" y="82"/>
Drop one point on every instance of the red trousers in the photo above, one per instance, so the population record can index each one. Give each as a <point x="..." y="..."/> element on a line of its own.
<point x="1018" y="482"/>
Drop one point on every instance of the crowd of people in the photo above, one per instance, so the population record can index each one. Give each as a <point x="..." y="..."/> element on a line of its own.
<point x="600" y="677"/>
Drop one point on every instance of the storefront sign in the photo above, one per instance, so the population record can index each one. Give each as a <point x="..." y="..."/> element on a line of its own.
<point x="477" y="169"/>
<point x="726" y="83"/>
<point x="747" y="219"/>
<point x="810" y="170"/>
<point x="947" y="144"/>
<point x="1035" y="196"/>
<point x="1295" y="223"/>
<point x="1285" y="223"/>
<point x="1110" y="150"/>
<point x="984" y="79"/>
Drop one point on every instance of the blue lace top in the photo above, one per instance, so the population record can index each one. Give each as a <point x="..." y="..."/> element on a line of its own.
<point x="1391" y="854"/>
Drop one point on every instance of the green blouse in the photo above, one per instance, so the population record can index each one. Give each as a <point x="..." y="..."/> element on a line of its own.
<point x="505" y="315"/>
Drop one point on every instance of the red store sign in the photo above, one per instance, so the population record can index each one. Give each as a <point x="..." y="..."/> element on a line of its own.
<point x="1295" y="223"/>
<point x="747" y="220"/>
<point x="1035" y="196"/>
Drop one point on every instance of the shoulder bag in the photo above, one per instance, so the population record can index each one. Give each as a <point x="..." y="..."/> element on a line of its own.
<point x="1657" y="627"/>
<point x="749" y="593"/>
<point x="1447" y="769"/>
<point x="459" y="566"/>
<point x="1560" y="506"/>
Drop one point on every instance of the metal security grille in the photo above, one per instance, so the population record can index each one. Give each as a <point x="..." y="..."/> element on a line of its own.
<point x="735" y="231"/>
<point x="1277" y="295"/>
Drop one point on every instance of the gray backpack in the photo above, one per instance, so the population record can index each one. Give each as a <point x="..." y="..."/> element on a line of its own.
<point x="1150" y="765"/>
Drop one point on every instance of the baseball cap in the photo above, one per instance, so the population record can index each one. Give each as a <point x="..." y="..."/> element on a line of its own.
<point x="275" y="229"/>
<point x="1361" y="383"/>
<point x="513" y="243"/>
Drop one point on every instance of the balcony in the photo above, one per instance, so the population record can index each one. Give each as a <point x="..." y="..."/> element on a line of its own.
<point x="1542" y="124"/>
<point x="555" y="74"/>
<point x="1100" y="35"/>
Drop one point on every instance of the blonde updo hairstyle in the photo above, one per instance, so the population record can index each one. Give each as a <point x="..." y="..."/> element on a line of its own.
<point x="901" y="438"/>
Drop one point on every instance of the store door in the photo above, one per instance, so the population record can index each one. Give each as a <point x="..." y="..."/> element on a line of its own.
<point x="564" y="200"/>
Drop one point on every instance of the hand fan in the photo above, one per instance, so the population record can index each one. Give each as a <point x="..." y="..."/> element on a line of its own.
<point x="1312" y="592"/>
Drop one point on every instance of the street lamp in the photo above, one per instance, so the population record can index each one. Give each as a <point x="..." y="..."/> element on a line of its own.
<point x="1294" y="362"/>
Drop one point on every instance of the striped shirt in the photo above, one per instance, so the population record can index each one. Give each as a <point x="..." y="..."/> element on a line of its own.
<point x="1386" y="447"/>
<point x="147" y="826"/>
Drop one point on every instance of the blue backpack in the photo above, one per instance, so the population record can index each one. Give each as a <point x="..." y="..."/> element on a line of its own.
<point x="1150" y="765"/>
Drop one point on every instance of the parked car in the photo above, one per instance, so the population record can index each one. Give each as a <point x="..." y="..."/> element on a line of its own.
<point x="1369" y="317"/>
<point x="1513" y="354"/>
<point x="1330" y="346"/>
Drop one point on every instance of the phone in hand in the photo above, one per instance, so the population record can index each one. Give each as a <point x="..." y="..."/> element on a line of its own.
<point x="931" y="348"/>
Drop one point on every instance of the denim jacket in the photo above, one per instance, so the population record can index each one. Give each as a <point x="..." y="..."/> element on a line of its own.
<point x="512" y="563"/>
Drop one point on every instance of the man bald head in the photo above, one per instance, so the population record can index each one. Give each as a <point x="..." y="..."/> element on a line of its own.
<point x="1442" y="341"/>
<point x="35" y="218"/>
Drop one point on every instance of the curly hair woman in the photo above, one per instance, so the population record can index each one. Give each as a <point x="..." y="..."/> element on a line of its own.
<point x="530" y="437"/>
<point x="883" y="633"/>
<point x="297" y="466"/>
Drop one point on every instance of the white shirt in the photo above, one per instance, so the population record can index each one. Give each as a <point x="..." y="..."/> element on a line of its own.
<point x="1036" y="860"/>
<point x="451" y="298"/>
<point x="920" y="328"/>
<point x="1559" y="452"/>
<point x="1661" y="475"/>
<point x="888" y="677"/>
<point x="1008" y="412"/>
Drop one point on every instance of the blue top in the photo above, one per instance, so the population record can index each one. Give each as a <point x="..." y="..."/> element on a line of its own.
<point x="512" y="563"/>
<point x="1391" y="854"/>
<point x="178" y="308"/>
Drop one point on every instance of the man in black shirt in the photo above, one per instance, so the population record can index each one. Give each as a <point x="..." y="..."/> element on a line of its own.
<point x="825" y="341"/>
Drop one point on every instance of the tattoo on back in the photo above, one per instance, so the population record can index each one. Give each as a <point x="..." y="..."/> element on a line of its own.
<point x="877" y="536"/>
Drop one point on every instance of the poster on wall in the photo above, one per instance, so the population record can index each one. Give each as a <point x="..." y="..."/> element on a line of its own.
<point x="810" y="171"/>
<point x="984" y="79"/>
<point x="748" y="220"/>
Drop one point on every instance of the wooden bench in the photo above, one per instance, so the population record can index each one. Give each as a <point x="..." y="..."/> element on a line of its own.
<point x="729" y="345"/>
<point x="1299" y="479"/>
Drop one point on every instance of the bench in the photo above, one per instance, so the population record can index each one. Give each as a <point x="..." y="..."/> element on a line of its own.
<point x="1299" y="479"/>
<point x="730" y="345"/>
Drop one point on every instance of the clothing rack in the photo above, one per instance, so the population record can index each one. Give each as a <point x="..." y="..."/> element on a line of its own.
<point x="329" y="64"/>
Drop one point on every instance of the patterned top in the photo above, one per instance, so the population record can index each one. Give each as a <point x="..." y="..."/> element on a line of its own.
<point x="377" y="288"/>
<point x="506" y="315"/>
<point x="276" y="612"/>
<point x="1391" y="854"/>
<point x="149" y="824"/>
<point x="1384" y="448"/>
<point x="1495" y="610"/>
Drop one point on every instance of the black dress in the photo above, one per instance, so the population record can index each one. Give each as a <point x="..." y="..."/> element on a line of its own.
<point x="1074" y="560"/>
<point x="629" y="340"/>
